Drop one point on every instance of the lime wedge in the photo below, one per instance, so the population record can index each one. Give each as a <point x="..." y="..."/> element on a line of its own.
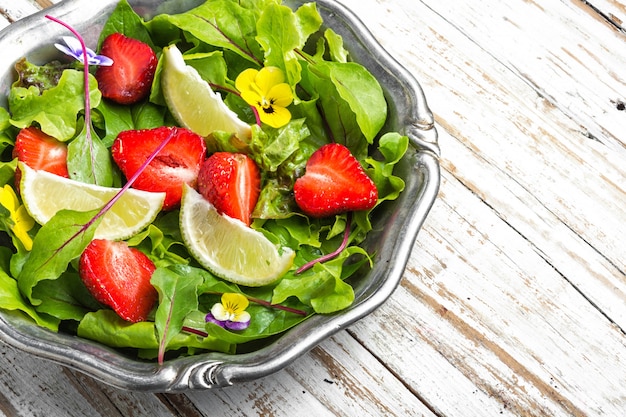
<point x="193" y="102"/>
<point x="44" y="194"/>
<point x="227" y="247"/>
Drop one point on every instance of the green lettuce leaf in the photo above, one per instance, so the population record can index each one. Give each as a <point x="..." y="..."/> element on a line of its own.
<point x="107" y="327"/>
<point x="57" y="243"/>
<point x="221" y="23"/>
<point x="178" y="297"/>
<point x="55" y="109"/>
<point x="89" y="160"/>
<point x="11" y="298"/>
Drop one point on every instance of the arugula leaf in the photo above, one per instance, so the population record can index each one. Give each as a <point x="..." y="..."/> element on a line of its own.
<point x="335" y="46"/>
<point x="281" y="32"/>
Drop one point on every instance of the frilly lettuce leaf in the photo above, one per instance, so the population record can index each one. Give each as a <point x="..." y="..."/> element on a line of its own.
<point x="55" y="109"/>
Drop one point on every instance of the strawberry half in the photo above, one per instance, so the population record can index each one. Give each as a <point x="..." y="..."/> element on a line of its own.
<point x="40" y="151"/>
<point x="334" y="182"/>
<point x="130" y="77"/>
<point x="119" y="276"/>
<point x="176" y="164"/>
<point x="232" y="183"/>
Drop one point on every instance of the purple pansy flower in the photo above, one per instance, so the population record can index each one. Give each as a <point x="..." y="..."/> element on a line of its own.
<point x="74" y="49"/>
<point x="230" y="313"/>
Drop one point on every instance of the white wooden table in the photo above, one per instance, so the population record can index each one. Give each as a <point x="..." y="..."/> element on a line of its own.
<point x="514" y="300"/>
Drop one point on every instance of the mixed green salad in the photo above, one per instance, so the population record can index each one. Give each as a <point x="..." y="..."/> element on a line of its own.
<point x="334" y="100"/>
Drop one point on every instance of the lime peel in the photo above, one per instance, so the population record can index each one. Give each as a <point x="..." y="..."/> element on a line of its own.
<point x="192" y="101"/>
<point x="44" y="194"/>
<point x="227" y="247"/>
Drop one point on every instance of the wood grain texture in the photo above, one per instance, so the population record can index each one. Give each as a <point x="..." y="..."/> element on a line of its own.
<point x="514" y="300"/>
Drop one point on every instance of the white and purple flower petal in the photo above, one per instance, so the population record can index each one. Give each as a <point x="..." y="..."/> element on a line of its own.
<point x="74" y="49"/>
<point x="230" y="313"/>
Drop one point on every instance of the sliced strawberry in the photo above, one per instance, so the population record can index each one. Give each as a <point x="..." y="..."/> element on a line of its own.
<point x="119" y="276"/>
<point x="130" y="77"/>
<point x="176" y="164"/>
<point x="232" y="183"/>
<point x="40" y="151"/>
<point x="334" y="182"/>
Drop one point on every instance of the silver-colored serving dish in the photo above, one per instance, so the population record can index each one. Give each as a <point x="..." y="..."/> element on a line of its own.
<point x="395" y="229"/>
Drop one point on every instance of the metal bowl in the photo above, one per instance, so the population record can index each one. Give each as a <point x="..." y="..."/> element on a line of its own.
<point x="395" y="228"/>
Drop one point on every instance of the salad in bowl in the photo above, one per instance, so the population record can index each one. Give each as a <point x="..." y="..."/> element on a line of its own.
<point x="195" y="193"/>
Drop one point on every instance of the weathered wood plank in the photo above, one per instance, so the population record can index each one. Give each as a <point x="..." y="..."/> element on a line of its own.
<point x="337" y="378"/>
<point x="612" y="10"/>
<point x="545" y="158"/>
<point x="38" y="388"/>
<point x="527" y="158"/>
<point x="12" y="11"/>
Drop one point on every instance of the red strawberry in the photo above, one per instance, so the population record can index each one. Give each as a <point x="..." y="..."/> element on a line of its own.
<point x="40" y="151"/>
<point x="176" y="164"/>
<point x="119" y="277"/>
<point x="334" y="182"/>
<point x="232" y="183"/>
<point x="130" y="77"/>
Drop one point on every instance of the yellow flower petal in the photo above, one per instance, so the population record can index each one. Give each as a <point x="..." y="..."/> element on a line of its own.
<point x="252" y="98"/>
<point x="8" y="198"/>
<point x="234" y="303"/>
<point x="275" y="116"/>
<point x="280" y="95"/>
<point x="244" y="81"/>
<point x="22" y="222"/>
<point x="23" y="237"/>
<point x="22" y="218"/>
<point x="267" y="91"/>
<point x="268" y="77"/>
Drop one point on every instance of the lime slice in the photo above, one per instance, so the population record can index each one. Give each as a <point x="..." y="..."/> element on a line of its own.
<point x="44" y="194"/>
<point x="227" y="247"/>
<point x="193" y="102"/>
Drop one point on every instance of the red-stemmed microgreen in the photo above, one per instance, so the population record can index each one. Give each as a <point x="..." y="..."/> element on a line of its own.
<point x="333" y="254"/>
<point x="269" y="304"/>
<point x="86" y="56"/>
<point x="119" y="194"/>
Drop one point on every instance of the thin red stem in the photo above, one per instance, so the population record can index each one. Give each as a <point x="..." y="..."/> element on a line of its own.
<point x="237" y="93"/>
<point x="335" y="253"/>
<point x="195" y="331"/>
<point x="276" y="306"/>
<point x="268" y="304"/>
<point x="86" y="86"/>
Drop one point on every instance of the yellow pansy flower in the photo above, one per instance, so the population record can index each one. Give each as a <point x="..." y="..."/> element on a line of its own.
<point x="267" y="92"/>
<point x="231" y="312"/>
<point x="22" y="222"/>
